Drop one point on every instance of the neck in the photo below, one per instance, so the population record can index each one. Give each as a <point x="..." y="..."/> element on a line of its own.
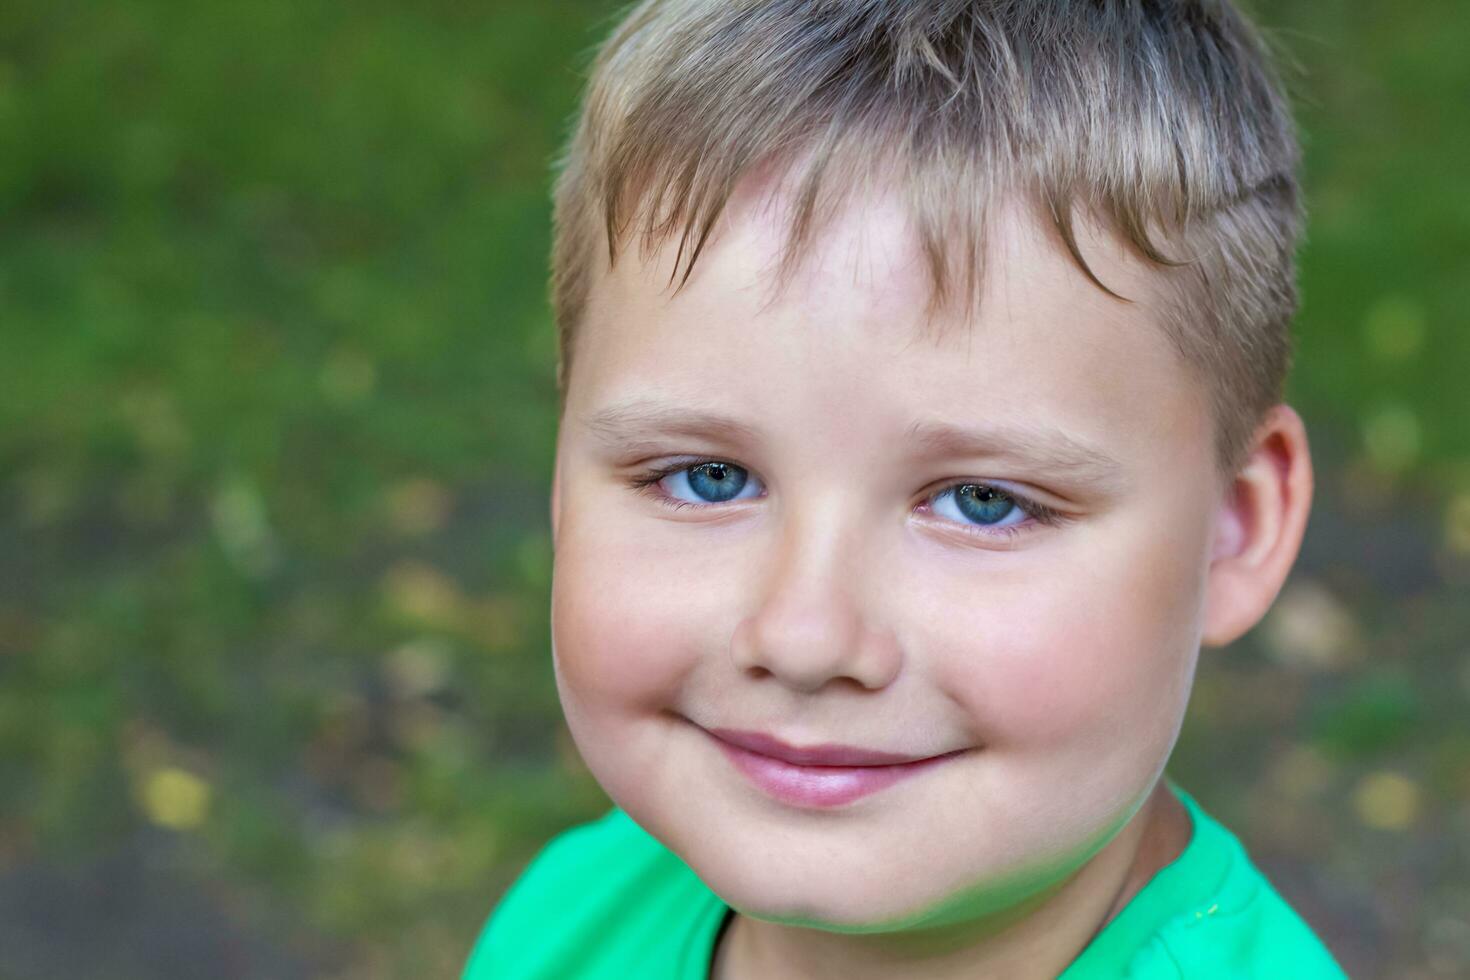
<point x="1037" y="940"/>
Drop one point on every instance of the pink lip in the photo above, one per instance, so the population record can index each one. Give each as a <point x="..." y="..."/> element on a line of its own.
<point x="818" y="775"/>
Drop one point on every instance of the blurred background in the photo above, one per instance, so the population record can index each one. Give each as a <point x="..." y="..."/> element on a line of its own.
<point x="276" y="423"/>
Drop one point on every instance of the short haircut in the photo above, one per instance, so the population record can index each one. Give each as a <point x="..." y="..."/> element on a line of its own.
<point x="1163" y="119"/>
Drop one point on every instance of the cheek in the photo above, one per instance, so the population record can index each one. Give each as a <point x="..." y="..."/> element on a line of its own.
<point x="632" y="616"/>
<point x="627" y="625"/>
<point x="1081" y="654"/>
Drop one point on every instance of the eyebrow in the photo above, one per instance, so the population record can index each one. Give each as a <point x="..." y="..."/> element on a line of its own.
<point x="1048" y="449"/>
<point x="638" y="423"/>
<point x="625" y="424"/>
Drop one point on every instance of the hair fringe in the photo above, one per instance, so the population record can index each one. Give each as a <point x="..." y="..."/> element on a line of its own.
<point x="1165" y="119"/>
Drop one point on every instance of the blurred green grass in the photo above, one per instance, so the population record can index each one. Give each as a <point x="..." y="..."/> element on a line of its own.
<point x="276" y="420"/>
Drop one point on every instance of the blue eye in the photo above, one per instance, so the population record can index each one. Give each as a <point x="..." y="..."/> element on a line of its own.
<point x="976" y="503"/>
<point x="714" y="482"/>
<point x="985" y="510"/>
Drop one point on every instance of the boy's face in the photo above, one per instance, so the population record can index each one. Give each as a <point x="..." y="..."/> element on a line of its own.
<point x="986" y="542"/>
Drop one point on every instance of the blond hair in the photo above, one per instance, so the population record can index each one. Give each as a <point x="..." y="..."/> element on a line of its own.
<point x="1164" y="119"/>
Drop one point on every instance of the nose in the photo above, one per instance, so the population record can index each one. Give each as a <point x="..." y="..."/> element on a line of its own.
<point x="809" y="626"/>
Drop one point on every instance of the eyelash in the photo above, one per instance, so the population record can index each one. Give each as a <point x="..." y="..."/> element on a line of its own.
<point x="1038" y="514"/>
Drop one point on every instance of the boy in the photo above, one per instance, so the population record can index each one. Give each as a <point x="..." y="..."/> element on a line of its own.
<point x="921" y="366"/>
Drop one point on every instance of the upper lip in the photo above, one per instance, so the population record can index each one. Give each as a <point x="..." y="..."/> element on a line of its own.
<point x="826" y="754"/>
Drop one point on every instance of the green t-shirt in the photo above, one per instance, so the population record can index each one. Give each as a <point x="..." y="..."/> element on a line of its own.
<point x="606" y="901"/>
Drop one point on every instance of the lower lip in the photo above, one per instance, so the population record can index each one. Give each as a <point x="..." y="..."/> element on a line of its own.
<point x="820" y="786"/>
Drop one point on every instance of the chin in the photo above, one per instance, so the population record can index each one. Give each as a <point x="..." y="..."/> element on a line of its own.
<point x="821" y="894"/>
<point x="840" y="890"/>
<point x="833" y="909"/>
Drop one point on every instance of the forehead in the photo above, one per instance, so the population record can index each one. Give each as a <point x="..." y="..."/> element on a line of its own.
<point x="853" y="329"/>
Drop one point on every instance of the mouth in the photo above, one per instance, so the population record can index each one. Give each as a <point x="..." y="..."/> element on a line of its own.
<point x="818" y="776"/>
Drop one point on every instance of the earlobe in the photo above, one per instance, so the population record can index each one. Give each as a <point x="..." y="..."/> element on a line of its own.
<point x="1259" y="528"/>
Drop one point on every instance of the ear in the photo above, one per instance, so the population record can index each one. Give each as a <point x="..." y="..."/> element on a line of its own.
<point x="1259" y="527"/>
